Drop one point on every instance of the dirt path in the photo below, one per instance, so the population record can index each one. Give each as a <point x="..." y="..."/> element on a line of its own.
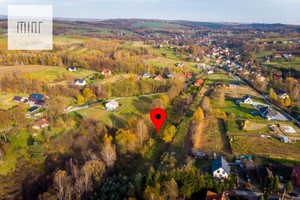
<point x="197" y="136"/>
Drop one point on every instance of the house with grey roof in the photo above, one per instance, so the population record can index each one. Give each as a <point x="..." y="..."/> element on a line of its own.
<point x="220" y="168"/>
<point x="267" y="112"/>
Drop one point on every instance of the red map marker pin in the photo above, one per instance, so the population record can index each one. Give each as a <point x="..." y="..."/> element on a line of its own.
<point x="158" y="117"/>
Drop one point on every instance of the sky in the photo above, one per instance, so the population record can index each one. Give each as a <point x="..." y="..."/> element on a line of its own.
<point x="245" y="11"/>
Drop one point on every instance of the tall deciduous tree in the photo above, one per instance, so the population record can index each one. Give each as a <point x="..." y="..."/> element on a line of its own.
<point x="198" y="115"/>
<point x="169" y="133"/>
<point x="272" y="94"/>
<point x="205" y="105"/>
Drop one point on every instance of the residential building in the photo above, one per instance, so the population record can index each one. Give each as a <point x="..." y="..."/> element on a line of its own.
<point x="158" y="77"/>
<point x="40" y="124"/>
<point x="277" y="56"/>
<point x="146" y="75"/>
<point x="188" y="75"/>
<point x="111" y="105"/>
<point x="198" y="82"/>
<point x="234" y="84"/>
<point x="220" y="168"/>
<point x="106" y="72"/>
<point x="169" y="75"/>
<point x="81" y="82"/>
<point x="281" y="94"/>
<point x="246" y="99"/>
<point x="267" y="112"/>
<point x="19" y="99"/>
<point x="72" y="69"/>
<point x="296" y="174"/>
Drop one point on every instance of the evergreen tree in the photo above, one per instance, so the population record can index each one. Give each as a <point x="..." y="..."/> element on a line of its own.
<point x="288" y="187"/>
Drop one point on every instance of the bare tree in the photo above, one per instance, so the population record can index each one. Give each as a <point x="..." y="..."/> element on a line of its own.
<point x="108" y="154"/>
<point x="86" y="177"/>
<point x="62" y="184"/>
<point x="141" y="131"/>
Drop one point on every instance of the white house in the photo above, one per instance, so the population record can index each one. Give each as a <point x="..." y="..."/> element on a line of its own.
<point x="80" y="82"/>
<point x="281" y="94"/>
<point x="72" y="69"/>
<point x="111" y="105"/>
<point x="246" y="99"/>
<point x="220" y="168"/>
<point x="146" y="75"/>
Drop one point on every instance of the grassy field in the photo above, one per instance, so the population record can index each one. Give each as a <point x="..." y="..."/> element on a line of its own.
<point x="59" y="40"/>
<point x="4" y="70"/>
<point x="64" y="39"/>
<point x="115" y="78"/>
<point x="59" y="72"/>
<point x="287" y="65"/>
<point x="265" y="147"/>
<point x="263" y="54"/>
<point x="155" y="25"/>
<point x="6" y="101"/>
<point x="135" y="106"/>
<point x="255" y="126"/>
<point x="220" y="76"/>
<point x="213" y="138"/>
<point x="3" y="39"/>
<point x="240" y="111"/>
<point x="18" y="149"/>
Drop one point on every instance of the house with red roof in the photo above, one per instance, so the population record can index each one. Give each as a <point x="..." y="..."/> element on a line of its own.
<point x="296" y="174"/>
<point x="106" y="72"/>
<point x="40" y="124"/>
<point x="158" y="77"/>
<point x="188" y="75"/>
<point x="277" y="56"/>
<point x="198" y="82"/>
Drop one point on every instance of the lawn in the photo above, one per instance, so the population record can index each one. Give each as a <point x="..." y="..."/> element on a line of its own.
<point x="135" y="106"/>
<point x="267" y="147"/>
<point x="220" y="76"/>
<point x="60" y="72"/>
<point x="6" y="100"/>
<point x="240" y="111"/>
